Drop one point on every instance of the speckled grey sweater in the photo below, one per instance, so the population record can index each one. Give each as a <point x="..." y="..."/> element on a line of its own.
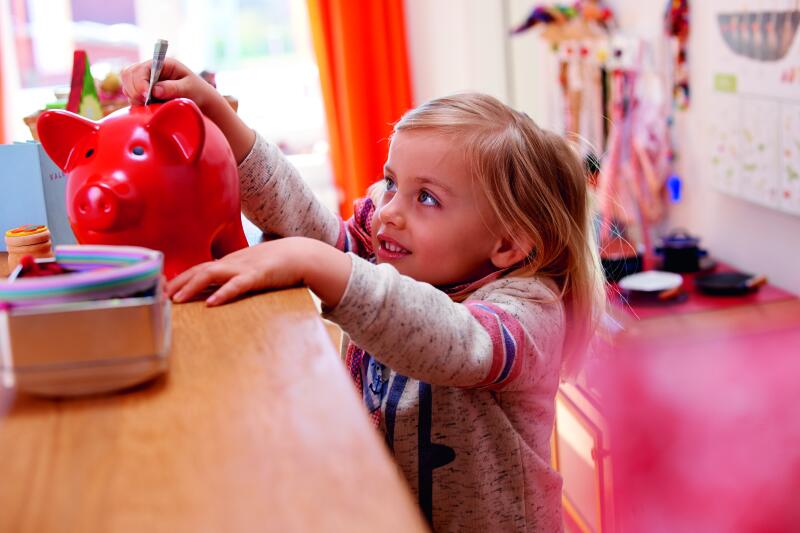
<point x="465" y="390"/>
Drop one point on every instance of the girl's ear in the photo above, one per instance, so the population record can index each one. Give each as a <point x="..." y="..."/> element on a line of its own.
<point x="508" y="252"/>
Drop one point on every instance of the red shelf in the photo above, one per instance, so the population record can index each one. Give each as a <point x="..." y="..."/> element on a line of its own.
<point x="694" y="301"/>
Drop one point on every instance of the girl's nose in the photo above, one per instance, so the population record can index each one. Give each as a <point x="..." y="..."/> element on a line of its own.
<point x="391" y="212"/>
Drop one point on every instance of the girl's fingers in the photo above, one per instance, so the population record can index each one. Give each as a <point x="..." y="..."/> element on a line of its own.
<point x="169" y="89"/>
<point x="236" y="286"/>
<point x="140" y="78"/>
<point x="172" y="69"/>
<point x="181" y="279"/>
<point x="237" y="273"/>
<point x="210" y="273"/>
<point x="135" y="80"/>
<point x="127" y="83"/>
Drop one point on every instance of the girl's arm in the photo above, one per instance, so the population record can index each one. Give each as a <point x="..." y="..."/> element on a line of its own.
<point x="277" y="200"/>
<point x="509" y="338"/>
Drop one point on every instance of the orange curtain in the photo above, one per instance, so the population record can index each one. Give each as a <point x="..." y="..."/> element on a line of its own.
<point x="363" y="67"/>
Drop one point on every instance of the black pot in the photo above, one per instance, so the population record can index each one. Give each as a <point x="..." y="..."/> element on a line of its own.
<point x="617" y="268"/>
<point x="680" y="252"/>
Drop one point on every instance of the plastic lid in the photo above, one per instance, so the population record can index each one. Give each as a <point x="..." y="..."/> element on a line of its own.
<point x="680" y="239"/>
<point x="26" y="230"/>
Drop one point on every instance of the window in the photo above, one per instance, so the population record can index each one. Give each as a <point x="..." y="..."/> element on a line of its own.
<point x="260" y="51"/>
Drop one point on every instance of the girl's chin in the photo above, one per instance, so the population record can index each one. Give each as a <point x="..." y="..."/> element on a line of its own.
<point x="385" y="256"/>
<point x="401" y="266"/>
<point x="396" y="262"/>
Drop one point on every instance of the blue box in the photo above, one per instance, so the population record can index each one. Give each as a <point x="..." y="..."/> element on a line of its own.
<point x="32" y="191"/>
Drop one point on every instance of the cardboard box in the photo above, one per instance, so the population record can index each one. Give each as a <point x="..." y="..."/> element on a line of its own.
<point x="32" y="191"/>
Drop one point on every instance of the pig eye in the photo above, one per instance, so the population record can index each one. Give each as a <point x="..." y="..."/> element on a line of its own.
<point x="89" y="152"/>
<point x="137" y="150"/>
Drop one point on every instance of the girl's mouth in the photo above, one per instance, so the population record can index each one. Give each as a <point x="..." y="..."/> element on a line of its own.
<point x="388" y="249"/>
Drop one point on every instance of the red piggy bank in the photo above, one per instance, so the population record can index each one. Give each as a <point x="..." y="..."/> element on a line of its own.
<point x="161" y="176"/>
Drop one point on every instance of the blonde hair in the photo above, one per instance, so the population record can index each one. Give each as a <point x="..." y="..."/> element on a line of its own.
<point x="537" y="190"/>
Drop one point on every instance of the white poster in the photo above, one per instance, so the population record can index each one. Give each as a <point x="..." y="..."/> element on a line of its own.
<point x="790" y="157"/>
<point x="756" y="82"/>
<point x="723" y="132"/>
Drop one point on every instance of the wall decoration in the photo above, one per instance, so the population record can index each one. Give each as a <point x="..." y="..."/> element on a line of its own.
<point x="725" y="146"/>
<point x="790" y="158"/>
<point x="755" y="125"/>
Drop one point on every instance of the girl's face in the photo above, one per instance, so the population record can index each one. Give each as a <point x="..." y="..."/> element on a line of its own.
<point x="432" y="222"/>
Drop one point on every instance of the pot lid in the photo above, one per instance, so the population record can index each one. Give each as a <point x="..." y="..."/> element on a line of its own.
<point x="680" y="239"/>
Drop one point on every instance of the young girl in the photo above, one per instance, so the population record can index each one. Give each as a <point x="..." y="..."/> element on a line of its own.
<point x="468" y="285"/>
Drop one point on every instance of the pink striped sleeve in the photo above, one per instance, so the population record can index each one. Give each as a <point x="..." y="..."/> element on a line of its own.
<point x="343" y="242"/>
<point x="355" y="233"/>
<point x="509" y="343"/>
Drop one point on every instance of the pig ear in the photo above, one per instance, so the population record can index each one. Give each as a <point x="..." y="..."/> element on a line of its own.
<point x="61" y="134"/>
<point x="180" y="123"/>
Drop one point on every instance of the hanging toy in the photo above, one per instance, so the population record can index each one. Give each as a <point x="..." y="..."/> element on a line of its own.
<point x="576" y="33"/>
<point x="539" y="15"/>
<point x="550" y="16"/>
<point x="596" y="11"/>
<point x="676" y="26"/>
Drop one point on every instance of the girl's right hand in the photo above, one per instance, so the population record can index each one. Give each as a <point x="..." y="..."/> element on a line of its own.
<point x="269" y="265"/>
<point x="176" y="81"/>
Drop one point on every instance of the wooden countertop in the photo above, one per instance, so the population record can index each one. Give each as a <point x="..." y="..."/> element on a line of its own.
<point x="256" y="427"/>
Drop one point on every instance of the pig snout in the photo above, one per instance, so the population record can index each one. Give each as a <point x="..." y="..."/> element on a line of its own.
<point x="99" y="207"/>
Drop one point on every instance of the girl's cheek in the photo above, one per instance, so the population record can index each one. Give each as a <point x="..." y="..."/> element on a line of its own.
<point x="374" y="225"/>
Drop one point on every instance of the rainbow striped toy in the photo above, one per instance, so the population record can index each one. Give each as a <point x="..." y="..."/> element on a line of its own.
<point x="94" y="272"/>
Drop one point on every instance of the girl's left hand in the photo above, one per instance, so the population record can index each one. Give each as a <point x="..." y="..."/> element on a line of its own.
<point x="275" y="264"/>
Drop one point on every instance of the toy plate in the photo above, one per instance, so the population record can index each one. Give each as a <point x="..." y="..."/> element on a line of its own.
<point x="651" y="281"/>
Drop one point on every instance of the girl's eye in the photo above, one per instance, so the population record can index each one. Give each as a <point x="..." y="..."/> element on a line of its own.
<point x="391" y="186"/>
<point x="90" y="152"/>
<point x="427" y="199"/>
<point x="137" y="150"/>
